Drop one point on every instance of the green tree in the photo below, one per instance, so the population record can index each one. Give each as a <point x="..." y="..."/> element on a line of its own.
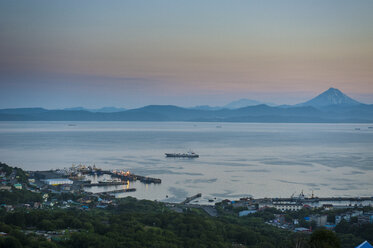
<point x="323" y="238"/>
<point x="10" y="242"/>
<point x="300" y="240"/>
<point x="46" y="225"/>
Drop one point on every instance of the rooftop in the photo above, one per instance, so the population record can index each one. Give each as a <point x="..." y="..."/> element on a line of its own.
<point x="365" y="244"/>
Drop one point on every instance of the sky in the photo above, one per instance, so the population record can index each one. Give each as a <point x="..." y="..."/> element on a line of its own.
<point x="58" y="54"/>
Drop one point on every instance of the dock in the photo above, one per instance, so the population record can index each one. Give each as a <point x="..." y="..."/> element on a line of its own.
<point x="123" y="176"/>
<point x="189" y="199"/>
<point x="149" y="180"/>
<point x="133" y="177"/>
<point x="119" y="191"/>
<point x="103" y="184"/>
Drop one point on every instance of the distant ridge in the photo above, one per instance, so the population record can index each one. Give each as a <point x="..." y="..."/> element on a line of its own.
<point x="331" y="96"/>
<point x="206" y="107"/>
<point x="241" y="103"/>
<point x="244" y="102"/>
<point x="332" y="106"/>
<point x="100" y="110"/>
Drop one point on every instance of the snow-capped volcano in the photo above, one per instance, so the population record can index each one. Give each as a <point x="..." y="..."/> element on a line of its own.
<point x="330" y="97"/>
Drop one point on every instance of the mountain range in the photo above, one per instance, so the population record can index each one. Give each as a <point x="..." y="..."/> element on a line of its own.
<point x="100" y="110"/>
<point x="332" y="106"/>
<point x="241" y="103"/>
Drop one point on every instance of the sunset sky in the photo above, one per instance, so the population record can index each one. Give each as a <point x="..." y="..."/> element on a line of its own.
<point x="58" y="54"/>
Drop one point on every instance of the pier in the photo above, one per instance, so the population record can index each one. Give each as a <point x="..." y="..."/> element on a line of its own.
<point x="122" y="176"/>
<point x="315" y="199"/>
<point x="133" y="177"/>
<point x="119" y="191"/>
<point x="103" y="184"/>
<point x="149" y="180"/>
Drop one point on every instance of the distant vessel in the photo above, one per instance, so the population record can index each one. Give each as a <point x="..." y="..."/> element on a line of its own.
<point x="182" y="155"/>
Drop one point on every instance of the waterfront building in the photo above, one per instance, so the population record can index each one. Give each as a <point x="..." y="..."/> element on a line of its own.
<point x="365" y="218"/>
<point x="5" y="187"/>
<point x="327" y="206"/>
<point x="265" y="204"/>
<point x="347" y="216"/>
<point x="291" y="206"/>
<point x="58" y="181"/>
<point x="18" y="186"/>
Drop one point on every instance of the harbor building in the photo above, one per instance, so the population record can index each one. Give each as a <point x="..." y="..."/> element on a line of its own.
<point x="58" y="181"/>
<point x="293" y="206"/>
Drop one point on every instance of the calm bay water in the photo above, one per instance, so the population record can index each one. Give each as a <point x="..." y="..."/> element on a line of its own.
<point x="236" y="160"/>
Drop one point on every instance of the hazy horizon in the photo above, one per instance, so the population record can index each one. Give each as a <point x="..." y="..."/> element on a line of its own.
<point x="135" y="53"/>
<point x="208" y="103"/>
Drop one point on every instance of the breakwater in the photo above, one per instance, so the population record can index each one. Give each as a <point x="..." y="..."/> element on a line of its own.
<point x="119" y="191"/>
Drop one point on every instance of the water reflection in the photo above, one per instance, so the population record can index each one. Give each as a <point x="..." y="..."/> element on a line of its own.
<point x="263" y="160"/>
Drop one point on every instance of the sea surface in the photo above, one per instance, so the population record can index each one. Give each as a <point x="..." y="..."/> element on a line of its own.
<point x="236" y="159"/>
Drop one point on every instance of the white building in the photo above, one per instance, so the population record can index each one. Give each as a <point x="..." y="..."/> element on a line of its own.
<point x="288" y="206"/>
<point x="58" y="181"/>
<point x="18" y="186"/>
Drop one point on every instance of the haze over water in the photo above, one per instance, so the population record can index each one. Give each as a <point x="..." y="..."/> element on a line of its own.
<point x="236" y="160"/>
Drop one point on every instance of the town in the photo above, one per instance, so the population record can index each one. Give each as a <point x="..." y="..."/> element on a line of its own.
<point x="64" y="189"/>
<point x="69" y="184"/>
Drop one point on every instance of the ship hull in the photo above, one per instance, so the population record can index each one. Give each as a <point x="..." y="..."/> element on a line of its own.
<point x="181" y="155"/>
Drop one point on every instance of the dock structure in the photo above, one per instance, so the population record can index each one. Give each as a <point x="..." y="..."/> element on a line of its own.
<point x="103" y="184"/>
<point x="318" y="199"/>
<point x="119" y="191"/>
<point x="123" y="176"/>
<point x="98" y="172"/>
<point x="130" y="177"/>
<point x="133" y="177"/>
<point x="316" y="202"/>
<point x="189" y="199"/>
<point x="149" y="180"/>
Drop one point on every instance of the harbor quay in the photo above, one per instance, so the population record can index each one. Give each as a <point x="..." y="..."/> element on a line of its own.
<point x="78" y="178"/>
<point x="67" y="188"/>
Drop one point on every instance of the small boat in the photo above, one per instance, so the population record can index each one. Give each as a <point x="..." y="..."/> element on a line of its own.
<point x="182" y="155"/>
